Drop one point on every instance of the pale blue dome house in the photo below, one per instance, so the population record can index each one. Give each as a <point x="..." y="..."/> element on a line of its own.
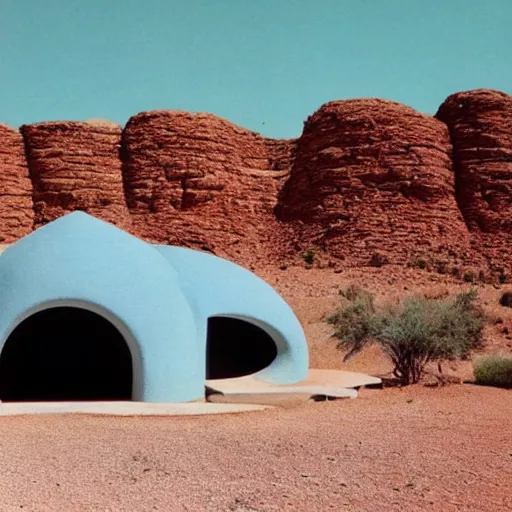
<point x="90" y="312"/>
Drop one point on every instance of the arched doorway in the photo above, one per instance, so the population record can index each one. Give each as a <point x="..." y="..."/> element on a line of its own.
<point x="65" y="354"/>
<point x="235" y="348"/>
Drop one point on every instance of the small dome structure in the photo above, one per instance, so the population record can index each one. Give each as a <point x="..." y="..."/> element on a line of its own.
<point x="90" y="312"/>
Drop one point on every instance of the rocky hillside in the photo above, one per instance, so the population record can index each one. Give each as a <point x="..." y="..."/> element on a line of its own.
<point x="16" y="206"/>
<point x="200" y="181"/>
<point x="480" y="125"/>
<point x="75" y="166"/>
<point x="374" y="179"/>
<point x="368" y="182"/>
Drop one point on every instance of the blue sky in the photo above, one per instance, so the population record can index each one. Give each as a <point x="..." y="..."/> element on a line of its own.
<point x="263" y="64"/>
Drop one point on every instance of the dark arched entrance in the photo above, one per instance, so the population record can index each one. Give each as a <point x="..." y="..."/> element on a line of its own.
<point x="65" y="354"/>
<point x="235" y="348"/>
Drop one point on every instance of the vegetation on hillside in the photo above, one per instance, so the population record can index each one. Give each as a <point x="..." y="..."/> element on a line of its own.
<point x="413" y="332"/>
<point x="494" y="370"/>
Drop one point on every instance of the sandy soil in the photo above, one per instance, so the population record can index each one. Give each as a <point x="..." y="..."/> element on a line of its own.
<point x="314" y="293"/>
<point x="414" y="449"/>
<point x="447" y="449"/>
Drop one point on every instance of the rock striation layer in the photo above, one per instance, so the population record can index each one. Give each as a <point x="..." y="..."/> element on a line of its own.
<point x="199" y="181"/>
<point x="76" y="166"/>
<point x="369" y="181"/>
<point x="373" y="179"/>
<point x="480" y="124"/>
<point x="16" y="209"/>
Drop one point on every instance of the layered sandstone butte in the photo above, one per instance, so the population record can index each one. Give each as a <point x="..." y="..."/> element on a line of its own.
<point x="199" y="181"/>
<point x="16" y="212"/>
<point x="373" y="178"/>
<point x="368" y="181"/>
<point x="76" y="166"/>
<point x="480" y="124"/>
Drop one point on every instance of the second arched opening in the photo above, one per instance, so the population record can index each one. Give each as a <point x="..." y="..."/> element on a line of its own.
<point x="236" y="347"/>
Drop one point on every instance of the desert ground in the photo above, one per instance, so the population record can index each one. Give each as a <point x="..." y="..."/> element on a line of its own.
<point x="415" y="449"/>
<point x="418" y="448"/>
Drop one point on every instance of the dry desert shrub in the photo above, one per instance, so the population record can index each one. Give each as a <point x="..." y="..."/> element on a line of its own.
<point x="494" y="370"/>
<point x="309" y="257"/>
<point x="411" y="333"/>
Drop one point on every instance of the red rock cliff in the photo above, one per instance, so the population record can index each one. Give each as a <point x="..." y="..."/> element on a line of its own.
<point x="368" y="180"/>
<point x="480" y="124"/>
<point x="76" y="166"/>
<point x="373" y="176"/>
<point x="16" y="209"/>
<point x="200" y="181"/>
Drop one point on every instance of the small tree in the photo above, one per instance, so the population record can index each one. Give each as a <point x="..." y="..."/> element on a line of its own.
<point x="412" y="333"/>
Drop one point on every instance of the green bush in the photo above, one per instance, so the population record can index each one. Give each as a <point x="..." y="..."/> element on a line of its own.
<point x="354" y="323"/>
<point x="494" y="370"/>
<point x="412" y="333"/>
<point x="378" y="260"/>
<point x="469" y="276"/>
<point x="442" y="267"/>
<point x="455" y="272"/>
<point x="309" y="256"/>
<point x="420" y="263"/>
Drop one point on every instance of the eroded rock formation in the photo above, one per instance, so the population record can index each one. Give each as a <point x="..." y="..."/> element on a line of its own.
<point x="373" y="178"/>
<point x="368" y="181"/>
<point x="200" y="181"/>
<point x="16" y="209"/>
<point x="480" y="124"/>
<point x="76" y="166"/>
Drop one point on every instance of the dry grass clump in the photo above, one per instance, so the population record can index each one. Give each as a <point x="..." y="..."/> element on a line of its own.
<point x="494" y="370"/>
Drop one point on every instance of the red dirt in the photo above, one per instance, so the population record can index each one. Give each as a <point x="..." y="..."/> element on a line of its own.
<point x="314" y="293"/>
<point x="415" y="449"/>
